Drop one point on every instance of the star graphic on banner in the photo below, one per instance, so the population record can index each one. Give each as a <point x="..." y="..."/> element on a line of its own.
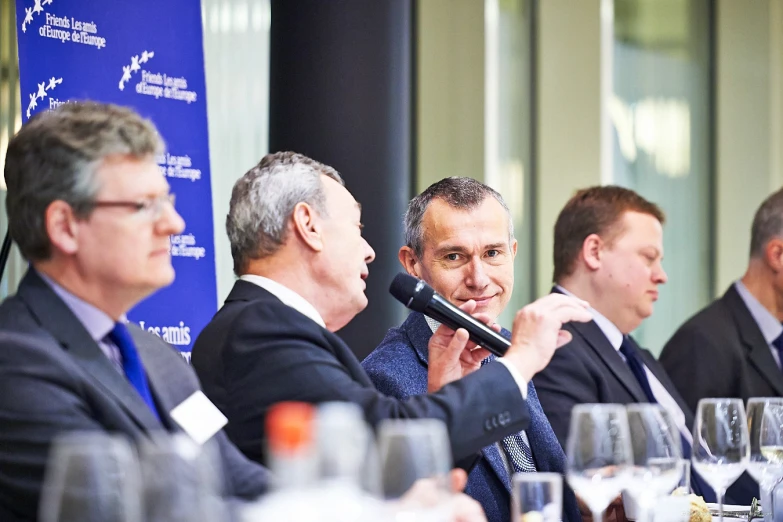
<point x="47" y="2"/>
<point x="33" y="104"/>
<point x="53" y="83"/>
<point x="128" y="70"/>
<point x="28" y="18"/>
<point x="37" y="8"/>
<point x="41" y="90"/>
<point x="126" y="76"/>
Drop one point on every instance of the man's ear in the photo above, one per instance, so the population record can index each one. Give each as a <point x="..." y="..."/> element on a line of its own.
<point x="308" y="226"/>
<point x="773" y="254"/>
<point x="62" y="227"/>
<point x="409" y="261"/>
<point x="592" y="248"/>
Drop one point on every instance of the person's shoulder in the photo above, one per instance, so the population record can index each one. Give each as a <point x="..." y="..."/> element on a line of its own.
<point x="395" y="347"/>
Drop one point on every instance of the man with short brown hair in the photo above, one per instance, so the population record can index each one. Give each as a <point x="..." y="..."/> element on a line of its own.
<point x="608" y="250"/>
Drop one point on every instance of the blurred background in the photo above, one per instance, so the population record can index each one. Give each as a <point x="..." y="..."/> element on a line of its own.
<point x="680" y="100"/>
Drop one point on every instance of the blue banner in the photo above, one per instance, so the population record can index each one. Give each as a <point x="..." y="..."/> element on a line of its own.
<point x="146" y="54"/>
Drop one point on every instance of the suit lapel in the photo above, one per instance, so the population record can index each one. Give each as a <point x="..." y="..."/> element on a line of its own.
<point x="757" y="348"/>
<point x="592" y="333"/>
<point x="55" y="317"/>
<point x="657" y="370"/>
<point x="419" y="333"/>
<point x="167" y="393"/>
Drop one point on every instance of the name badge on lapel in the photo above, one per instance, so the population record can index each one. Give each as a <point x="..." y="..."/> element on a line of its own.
<point x="198" y="417"/>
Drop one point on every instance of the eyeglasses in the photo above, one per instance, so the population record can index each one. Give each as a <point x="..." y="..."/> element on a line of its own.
<point x="151" y="207"/>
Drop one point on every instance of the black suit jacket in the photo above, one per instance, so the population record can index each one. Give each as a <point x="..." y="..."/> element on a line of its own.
<point x="257" y="351"/>
<point x="54" y="378"/>
<point x="590" y="370"/>
<point x="721" y="352"/>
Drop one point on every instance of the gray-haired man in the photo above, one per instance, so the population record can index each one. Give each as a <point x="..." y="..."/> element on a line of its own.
<point x="295" y="234"/>
<point x="734" y="346"/>
<point x="91" y="212"/>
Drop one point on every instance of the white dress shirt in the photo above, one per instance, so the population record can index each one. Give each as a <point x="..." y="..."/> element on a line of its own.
<point x="664" y="398"/>
<point x="287" y="296"/>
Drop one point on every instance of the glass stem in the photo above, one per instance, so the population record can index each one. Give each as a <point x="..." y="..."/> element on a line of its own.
<point x="720" y="493"/>
<point x="598" y="516"/>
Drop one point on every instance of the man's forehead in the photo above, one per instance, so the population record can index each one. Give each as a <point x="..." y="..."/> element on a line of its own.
<point x="442" y="220"/>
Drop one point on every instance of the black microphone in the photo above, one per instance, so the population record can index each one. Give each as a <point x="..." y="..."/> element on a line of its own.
<point x="420" y="297"/>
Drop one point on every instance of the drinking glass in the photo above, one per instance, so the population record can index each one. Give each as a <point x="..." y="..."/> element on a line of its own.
<point x="598" y="454"/>
<point x="182" y="480"/>
<point x="537" y="496"/>
<point x="415" y="462"/>
<point x="91" y="477"/>
<point x="721" y="448"/>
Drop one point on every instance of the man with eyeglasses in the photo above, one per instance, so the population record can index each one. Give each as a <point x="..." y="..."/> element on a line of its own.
<point x="91" y="212"/>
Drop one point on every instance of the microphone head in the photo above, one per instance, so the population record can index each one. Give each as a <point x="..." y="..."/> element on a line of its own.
<point x="413" y="293"/>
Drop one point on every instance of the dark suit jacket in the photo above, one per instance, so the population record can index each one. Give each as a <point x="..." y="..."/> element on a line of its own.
<point x="590" y="370"/>
<point x="257" y="351"/>
<point x="398" y="367"/>
<point x="721" y="352"/>
<point x="54" y="378"/>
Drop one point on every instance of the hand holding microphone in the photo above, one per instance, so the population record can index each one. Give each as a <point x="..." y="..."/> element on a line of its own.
<point x="537" y="330"/>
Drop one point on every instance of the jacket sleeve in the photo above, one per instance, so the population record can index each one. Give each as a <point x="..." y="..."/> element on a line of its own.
<point x="279" y="358"/>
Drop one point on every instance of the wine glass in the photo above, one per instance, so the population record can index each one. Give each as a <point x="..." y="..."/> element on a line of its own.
<point x="721" y="447"/>
<point x="182" y="480"/>
<point x="765" y="426"/>
<point x="537" y="496"/>
<point x="415" y="461"/>
<point x="598" y="454"/>
<point x="91" y="477"/>
<point x="657" y="455"/>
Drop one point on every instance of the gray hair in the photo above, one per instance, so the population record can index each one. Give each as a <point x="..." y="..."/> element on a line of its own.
<point x="460" y="193"/>
<point x="767" y="223"/>
<point x="55" y="156"/>
<point x="263" y="201"/>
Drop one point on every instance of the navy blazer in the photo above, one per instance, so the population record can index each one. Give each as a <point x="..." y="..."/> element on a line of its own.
<point x="590" y="370"/>
<point x="258" y="351"/>
<point x="398" y="367"/>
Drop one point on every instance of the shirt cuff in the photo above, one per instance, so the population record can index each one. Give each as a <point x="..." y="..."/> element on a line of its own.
<point x="515" y="374"/>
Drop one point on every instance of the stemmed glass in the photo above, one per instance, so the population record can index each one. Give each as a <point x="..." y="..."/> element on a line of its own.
<point x="721" y="448"/>
<point x="657" y="455"/>
<point x="415" y="461"/>
<point x="598" y="454"/>
<point x="765" y="425"/>
<point x="91" y="477"/>
<point x="182" y="480"/>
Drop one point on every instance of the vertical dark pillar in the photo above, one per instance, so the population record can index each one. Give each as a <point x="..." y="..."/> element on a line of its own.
<point x="341" y="87"/>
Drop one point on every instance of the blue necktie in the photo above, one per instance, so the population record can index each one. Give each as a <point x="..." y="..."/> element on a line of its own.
<point x="637" y="368"/>
<point x="778" y="344"/>
<point x="131" y="364"/>
<point x="516" y="446"/>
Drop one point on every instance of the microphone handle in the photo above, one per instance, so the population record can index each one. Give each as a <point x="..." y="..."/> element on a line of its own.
<point x="481" y="334"/>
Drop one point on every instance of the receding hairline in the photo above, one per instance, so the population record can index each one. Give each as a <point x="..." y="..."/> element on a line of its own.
<point x="425" y="229"/>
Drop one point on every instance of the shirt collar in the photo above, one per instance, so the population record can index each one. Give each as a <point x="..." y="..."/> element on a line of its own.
<point x="97" y="323"/>
<point x="768" y="324"/>
<point x="612" y="333"/>
<point x="286" y="295"/>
